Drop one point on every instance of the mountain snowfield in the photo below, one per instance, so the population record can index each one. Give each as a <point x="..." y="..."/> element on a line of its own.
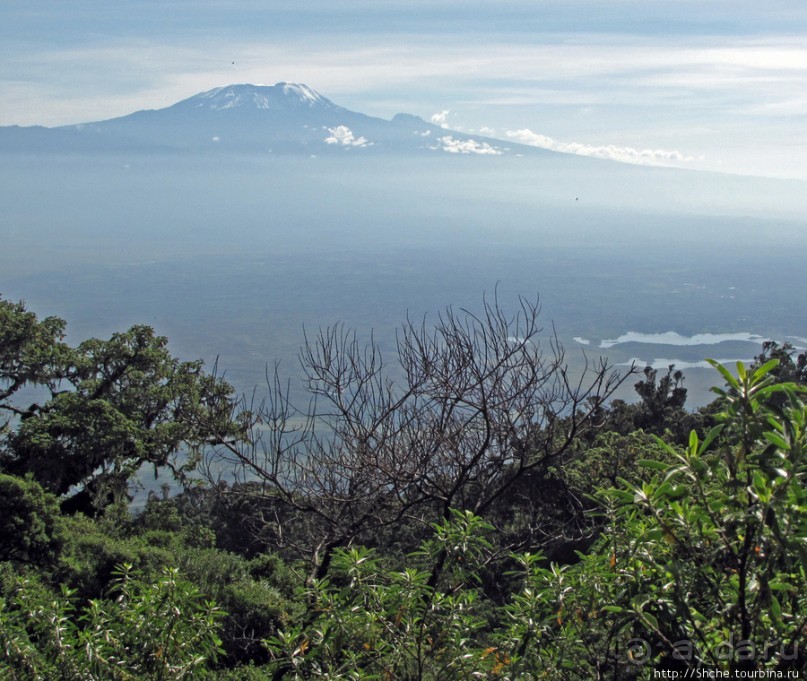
<point x="261" y="97"/>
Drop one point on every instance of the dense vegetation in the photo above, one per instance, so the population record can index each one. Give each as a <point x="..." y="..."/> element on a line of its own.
<point x="474" y="510"/>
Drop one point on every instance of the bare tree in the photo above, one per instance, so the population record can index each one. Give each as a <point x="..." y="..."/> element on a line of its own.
<point x="476" y="405"/>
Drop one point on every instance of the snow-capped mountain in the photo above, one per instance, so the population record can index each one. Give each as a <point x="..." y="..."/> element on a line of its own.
<point x="287" y="96"/>
<point x="281" y="118"/>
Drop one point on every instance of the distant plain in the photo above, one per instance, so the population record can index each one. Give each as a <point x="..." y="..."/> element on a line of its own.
<point x="232" y="256"/>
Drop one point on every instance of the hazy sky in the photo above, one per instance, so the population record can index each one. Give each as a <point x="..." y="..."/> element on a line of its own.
<point x="717" y="84"/>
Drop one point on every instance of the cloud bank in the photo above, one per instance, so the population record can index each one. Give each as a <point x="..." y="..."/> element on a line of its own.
<point x="662" y="363"/>
<point x="611" y="152"/>
<point x="673" y="338"/>
<point x="470" y="146"/>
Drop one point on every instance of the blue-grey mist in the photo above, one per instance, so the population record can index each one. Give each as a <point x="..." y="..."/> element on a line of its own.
<point x="233" y="255"/>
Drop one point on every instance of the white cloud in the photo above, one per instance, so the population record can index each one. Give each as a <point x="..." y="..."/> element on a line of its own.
<point x="673" y="338"/>
<point x="682" y="363"/>
<point x="453" y="146"/>
<point x="440" y="119"/>
<point x="343" y="136"/>
<point x="614" y="153"/>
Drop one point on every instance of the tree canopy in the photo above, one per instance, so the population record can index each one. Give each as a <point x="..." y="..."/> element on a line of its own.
<point x="109" y="407"/>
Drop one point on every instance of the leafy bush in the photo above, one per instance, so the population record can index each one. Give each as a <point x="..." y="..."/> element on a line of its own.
<point x="372" y="622"/>
<point x="30" y="527"/>
<point x="151" y="630"/>
<point x="703" y="566"/>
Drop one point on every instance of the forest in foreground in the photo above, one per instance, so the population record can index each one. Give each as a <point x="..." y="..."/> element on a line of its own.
<point x="470" y="508"/>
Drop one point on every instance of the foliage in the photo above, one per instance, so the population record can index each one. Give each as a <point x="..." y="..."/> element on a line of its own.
<point x="661" y="399"/>
<point x="31" y="353"/>
<point x="609" y="458"/>
<point x="489" y="517"/>
<point x="112" y="406"/>
<point x="373" y="622"/>
<point x="659" y="410"/>
<point x="255" y="595"/>
<point x="702" y="566"/>
<point x="151" y="630"/>
<point x="94" y="548"/>
<point x="30" y="526"/>
<point x="792" y="367"/>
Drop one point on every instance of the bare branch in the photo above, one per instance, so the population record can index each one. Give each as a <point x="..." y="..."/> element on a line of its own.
<point x="478" y="404"/>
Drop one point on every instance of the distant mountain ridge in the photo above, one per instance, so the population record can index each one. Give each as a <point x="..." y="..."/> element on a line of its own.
<point x="247" y="118"/>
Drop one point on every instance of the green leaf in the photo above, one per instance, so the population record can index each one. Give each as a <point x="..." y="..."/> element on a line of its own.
<point x="678" y="492"/>
<point x="649" y="619"/>
<point x="761" y="485"/>
<point x="742" y="374"/>
<point x="725" y="373"/>
<point x="776" y="609"/>
<point x="665" y="446"/>
<point x="764" y="369"/>
<point x="653" y="465"/>
<point x="769" y="390"/>
<point x="777" y="440"/>
<point x="780" y="586"/>
<point x="710" y="436"/>
<point x="672" y="471"/>
<point x="621" y="495"/>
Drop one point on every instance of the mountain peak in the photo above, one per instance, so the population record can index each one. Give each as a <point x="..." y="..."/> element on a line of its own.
<point x="252" y="96"/>
<point x="301" y="91"/>
<point x="281" y="118"/>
